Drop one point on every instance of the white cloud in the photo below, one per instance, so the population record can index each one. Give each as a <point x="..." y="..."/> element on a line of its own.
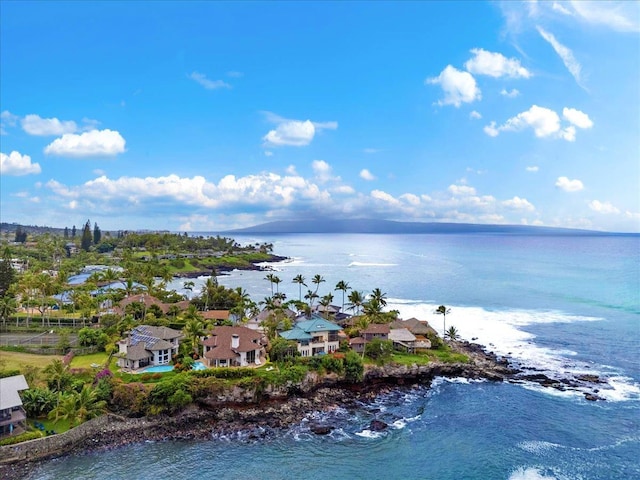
<point x="558" y="7"/>
<point x="510" y="93"/>
<point x="411" y="199"/>
<point x="577" y="118"/>
<point x="7" y="119"/>
<point x="569" y="185"/>
<point x="268" y="153"/>
<point x="206" y="83"/>
<point x="384" y="197"/>
<point x="518" y="203"/>
<point x="291" y="170"/>
<point x="366" y="175"/>
<point x="461" y="190"/>
<point x="544" y="122"/>
<point x="459" y="87"/>
<point x="322" y="170"/>
<point x="295" y="133"/>
<point x="532" y="168"/>
<point x="370" y="150"/>
<point x="95" y="143"/>
<point x="565" y="54"/>
<point x="621" y="16"/>
<point x="603" y="207"/>
<point x="475" y="115"/>
<point x="36" y="125"/>
<point x="16" y="164"/>
<point x="495" y="65"/>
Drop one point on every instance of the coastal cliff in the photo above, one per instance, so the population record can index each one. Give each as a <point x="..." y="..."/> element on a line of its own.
<point x="250" y="410"/>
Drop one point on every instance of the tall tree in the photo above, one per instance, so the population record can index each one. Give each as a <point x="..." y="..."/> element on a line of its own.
<point x="97" y="234"/>
<point x="356" y="299"/>
<point x="87" y="237"/>
<point x="73" y="232"/>
<point x="344" y="286"/>
<point x="380" y="297"/>
<point x="444" y="311"/>
<point x="7" y="275"/>
<point x="66" y="232"/>
<point x="299" y="279"/>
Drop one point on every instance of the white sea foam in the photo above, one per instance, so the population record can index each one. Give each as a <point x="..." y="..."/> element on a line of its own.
<point x="538" y="447"/>
<point x="501" y="331"/>
<point x="368" y="264"/>
<point x="529" y="473"/>
<point x="369" y="434"/>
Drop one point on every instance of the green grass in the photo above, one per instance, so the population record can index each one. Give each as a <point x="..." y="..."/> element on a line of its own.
<point x="440" y="355"/>
<point x="19" y="360"/>
<point x="85" y="361"/>
<point x="60" y="426"/>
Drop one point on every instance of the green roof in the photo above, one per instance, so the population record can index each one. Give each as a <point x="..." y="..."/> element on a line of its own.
<point x="296" y="334"/>
<point x="317" y="324"/>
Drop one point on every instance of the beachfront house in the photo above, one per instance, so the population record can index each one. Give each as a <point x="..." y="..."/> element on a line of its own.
<point x="403" y="339"/>
<point x="229" y="346"/>
<point x="12" y="415"/>
<point x="314" y="336"/>
<point x="146" y="345"/>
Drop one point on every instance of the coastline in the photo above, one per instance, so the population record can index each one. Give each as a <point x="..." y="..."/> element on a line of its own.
<point x="276" y="412"/>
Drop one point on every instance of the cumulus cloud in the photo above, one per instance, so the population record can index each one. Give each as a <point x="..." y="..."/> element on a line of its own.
<point x="603" y="207"/>
<point x="461" y="190"/>
<point x="296" y="133"/>
<point x="7" y="119"/>
<point x="459" y="87"/>
<point x="544" y="122"/>
<point x="565" y="54"/>
<point x="322" y="170"/>
<point x="510" y="93"/>
<point x="95" y="143"/>
<point x="16" y="164"/>
<point x="366" y="175"/>
<point x="577" y="118"/>
<point x="518" y="203"/>
<point x="475" y="115"/>
<point x="495" y="65"/>
<point x="36" y="125"/>
<point x="569" y="185"/>
<point x="207" y="83"/>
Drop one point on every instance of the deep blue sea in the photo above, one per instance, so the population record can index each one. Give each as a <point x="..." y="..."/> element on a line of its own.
<point x="561" y="305"/>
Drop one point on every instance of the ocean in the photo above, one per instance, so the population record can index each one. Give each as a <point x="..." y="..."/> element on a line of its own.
<point x="562" y="306"/>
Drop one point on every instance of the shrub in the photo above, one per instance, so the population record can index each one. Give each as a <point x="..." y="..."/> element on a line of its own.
<point x="379" y="350"/>
<point x="333" y="364"/>
<point x="20" y="438"/>
<point x="228" y="373"/>
<point x="353" y="367"/>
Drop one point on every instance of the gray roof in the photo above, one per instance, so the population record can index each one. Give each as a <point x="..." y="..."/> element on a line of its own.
<point x="401" y="335"/>
<point x="9" y="388"/>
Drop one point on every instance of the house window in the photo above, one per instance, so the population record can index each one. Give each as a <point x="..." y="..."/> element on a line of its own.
<point x="163" y="356"/>
<point x="251" y="356"/>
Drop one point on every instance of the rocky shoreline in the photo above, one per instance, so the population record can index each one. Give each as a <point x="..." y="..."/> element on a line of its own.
<point x="234" y="415"/>
<point x="225" y="269"/>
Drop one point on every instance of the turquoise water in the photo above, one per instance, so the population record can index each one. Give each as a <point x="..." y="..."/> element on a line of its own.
<point x="168" y="368"/>
<point x="559" y="305"/>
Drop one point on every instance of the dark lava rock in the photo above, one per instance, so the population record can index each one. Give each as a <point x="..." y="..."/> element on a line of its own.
<point x="321" y="429"/>
<point x="592" y="397"/>
<point x="377" y="425"/>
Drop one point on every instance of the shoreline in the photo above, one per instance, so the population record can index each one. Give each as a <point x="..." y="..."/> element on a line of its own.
<point x="208" y="418"/>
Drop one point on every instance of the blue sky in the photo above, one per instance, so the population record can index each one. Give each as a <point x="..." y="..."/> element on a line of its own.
<point x="198" y="116"/>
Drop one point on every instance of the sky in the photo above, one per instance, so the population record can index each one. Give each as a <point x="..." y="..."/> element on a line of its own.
<point x="208" y="116"/>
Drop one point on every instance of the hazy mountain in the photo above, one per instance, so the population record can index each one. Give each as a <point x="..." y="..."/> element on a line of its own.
<point x="388" y="226"/>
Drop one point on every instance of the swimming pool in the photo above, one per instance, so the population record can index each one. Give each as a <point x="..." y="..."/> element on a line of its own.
<point x="168" y="368"/>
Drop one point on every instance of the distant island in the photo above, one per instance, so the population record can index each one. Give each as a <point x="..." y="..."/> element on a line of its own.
<point x="393" y="227"/>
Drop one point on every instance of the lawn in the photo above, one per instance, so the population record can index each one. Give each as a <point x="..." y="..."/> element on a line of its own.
<point x="19" y="360"/>
<point x="87" y="361"/>
<point x="442" y="355"/>
<point x="62" y="425"/>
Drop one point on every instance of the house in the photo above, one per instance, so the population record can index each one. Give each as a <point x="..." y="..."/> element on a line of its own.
<point x="314" y="336"/>
<point x="415" y="326"/>
<point x="146" y="345"/>
<point x="402" y="339"/>
<point x="375" y="330"/>
<point x="12" y="415"/>
<point x="216" y="315"/>
<point x="233" y="347"/>
<point x="357" y="344"/>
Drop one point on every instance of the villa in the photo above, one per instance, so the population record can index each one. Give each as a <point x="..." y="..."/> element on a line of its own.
<point x="233" y="347"/>
<point x="314" y="336"/>
<point x="12" y="415"/>
<point x="146" y="345"/>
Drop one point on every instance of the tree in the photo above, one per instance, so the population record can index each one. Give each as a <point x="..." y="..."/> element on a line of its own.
<point x="356" y="299"/>
<point x="21" y="236"/>
<point x="8" y="307"/>
<point x="270" y="277"/>
<point x="299" y="279"/>
<point x="353" y="368"/>
<point x="193" y="330"/>
<point x="73" y="232"/>
<point x="344" y="286"/>
<point x="325" y="301"/>
<point x="87" y="237"/>
<point x="66" y="232"/>
<point x="58" y="376"/>
<point x="452" y="334"/>
<point x="379" y="350"/>
<point x="78" y="407"/>
<point x="97" y="234"/>
<point x="380" y="297"/>
<point x="444" y="311"/>
<point x="7" y="275"/>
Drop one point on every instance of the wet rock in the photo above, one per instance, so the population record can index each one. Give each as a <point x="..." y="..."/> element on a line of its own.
<point x="377" y="426"/>
<point x="321" y="429"/>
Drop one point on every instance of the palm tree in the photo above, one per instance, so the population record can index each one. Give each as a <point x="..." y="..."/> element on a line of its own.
<point x="299" y="279"/>
<point x="325" y="301"/>
<point x="270" y="277"/>
<point x="276" y="280"/>
<point x="78" y="407"/>
<point x="344" y="286"/>
<point x="356" y="299"/>
<point x="209" y="290"/>
<point x="56" y="373"/>
<point x="379" y="296"/>
<point x="317" y="279"/>
<point x="8" y="307"/>
<point x="452" y="334"/>
<point x="310" y="296"/>
<point x="444" y="311"/>
<point x="373" y="309"/>
<point x="193" y="331"/>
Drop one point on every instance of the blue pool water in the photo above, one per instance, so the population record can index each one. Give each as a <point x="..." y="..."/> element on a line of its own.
<point x="168" y="368"/>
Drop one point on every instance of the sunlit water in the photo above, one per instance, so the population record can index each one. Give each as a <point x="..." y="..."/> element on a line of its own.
<point x="561" y="305"/>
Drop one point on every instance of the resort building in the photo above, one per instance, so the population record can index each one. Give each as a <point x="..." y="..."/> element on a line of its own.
<point x="12" y="415"/>
<point x="314" y="336"/>
<point x="233" y="347"/>
<point x="146" y="345"/>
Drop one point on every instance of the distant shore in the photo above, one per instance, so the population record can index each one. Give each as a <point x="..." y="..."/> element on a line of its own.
<point x="275" y="413"/>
